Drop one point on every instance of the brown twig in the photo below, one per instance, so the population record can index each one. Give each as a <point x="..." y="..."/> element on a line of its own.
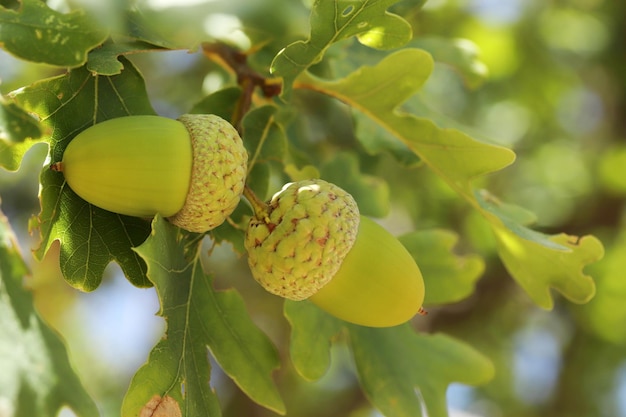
<point x="236" y="62"/>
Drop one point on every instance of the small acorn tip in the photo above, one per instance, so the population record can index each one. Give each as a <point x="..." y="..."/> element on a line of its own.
<point x="57" y="167"/>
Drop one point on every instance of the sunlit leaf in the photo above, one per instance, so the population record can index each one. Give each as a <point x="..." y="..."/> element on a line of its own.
<point x="90" y="237"/>
<point x="461" y="54"/>
<point x="538" y="269"/>
<point x="11" y="154"/>
<point x="198" y="317"/>
<point x="447" y="277"/>
<point x="378" y="91"/>
<point x="539" y="262"/>
<point x="37" y="378"/>
<point x="333" y="21"/>
<point x="403" y="372"/>
<point x="37" y="33"/>
<point x="19" y="131"/>
<point x="458" y="159"/>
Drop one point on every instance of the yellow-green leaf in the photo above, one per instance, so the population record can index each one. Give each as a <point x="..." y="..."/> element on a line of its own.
<point x="458" y="159"/>
<point x="332" y="21"/>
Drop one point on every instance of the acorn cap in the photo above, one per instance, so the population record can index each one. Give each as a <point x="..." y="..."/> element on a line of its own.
<point x="218" y="173"/>
<point x="298" y="248"/>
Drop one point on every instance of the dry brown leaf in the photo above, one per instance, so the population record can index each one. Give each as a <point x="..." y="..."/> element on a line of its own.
<point x="161" y="407"/>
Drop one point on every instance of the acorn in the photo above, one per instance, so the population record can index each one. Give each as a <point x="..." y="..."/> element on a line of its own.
<point x="313" y="244"/>
<point x="191" y="170"/>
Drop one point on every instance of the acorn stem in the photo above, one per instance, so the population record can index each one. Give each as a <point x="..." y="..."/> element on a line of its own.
<point x="260" y="208"/>
<point x="57" y="167"/>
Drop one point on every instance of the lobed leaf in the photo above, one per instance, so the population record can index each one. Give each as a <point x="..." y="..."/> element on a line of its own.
<point x="311" y="333"/>
<point x="37" y="378"/>
<point x="402" y="387"/>
<point x="298" y="174"/>
<point x="105" y="59"/>
<point x="458" y="159"/>
<point x="198" y="317"/>
<point x="461" y="54"/>
<point x="538" y="268"/>
<point x="37" y="33"/>
<point x="539" y="262"/>
<point x="19" y="131"/>
<point x="370" y="192"/>
<point x="222" y="103"/>
<point x="400" y="371"/>
<point x="376" y="140"/>
<point x="263" y="137"/>
<point x="448" y="277"/>
<point x="333" y="21"/>
<point x="90" y="237"/>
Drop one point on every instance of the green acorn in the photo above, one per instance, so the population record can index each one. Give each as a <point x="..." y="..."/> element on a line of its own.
<point x="313" y="244"/>
<point x="191" y="170"/>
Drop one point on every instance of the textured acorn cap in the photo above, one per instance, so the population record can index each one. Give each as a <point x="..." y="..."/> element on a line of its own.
<point x="218" y="173"/>
<point x="310" y="228"/>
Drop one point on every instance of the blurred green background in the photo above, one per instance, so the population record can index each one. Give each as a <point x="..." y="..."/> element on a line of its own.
<point x="554" y="92"/>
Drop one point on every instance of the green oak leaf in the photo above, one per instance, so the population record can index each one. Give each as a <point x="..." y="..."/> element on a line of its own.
<point x="233" y="230"/>
<point x="448" y="277"/>
<point x="264" y="138"/>
<point x="105" y="59"/>
<point x="391" y="362"/>
<point x="378" y="91"/>
<point x="403" y="372"/>
<point x="312" y="331"/>
<point x="37" y="378"/>
<point x="461" y="54"/>
<point x="198" y="317"/>
<point x="376" y="140"/>
<point x="37" y="33"/>
<point x="19" y="131"/>
<point x="90" y="237"/>
<point x="234" y="235"/>
<point x="266" y="144"/>
<point x="538" y="261"/>
<point x="298" y="174"/>
<point x="538" y="269"/>
<point x="15" y="124"/>
<point x="333" y="21"/>
<point x="512" y="218"/>
<point x="222" y="103"/>
<point x="370" y="192"/>
<point x="11" y="154"/>
<point x="259" y="181"/>
<point x="458" y="159"/>
<point x="175" y="27"/>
